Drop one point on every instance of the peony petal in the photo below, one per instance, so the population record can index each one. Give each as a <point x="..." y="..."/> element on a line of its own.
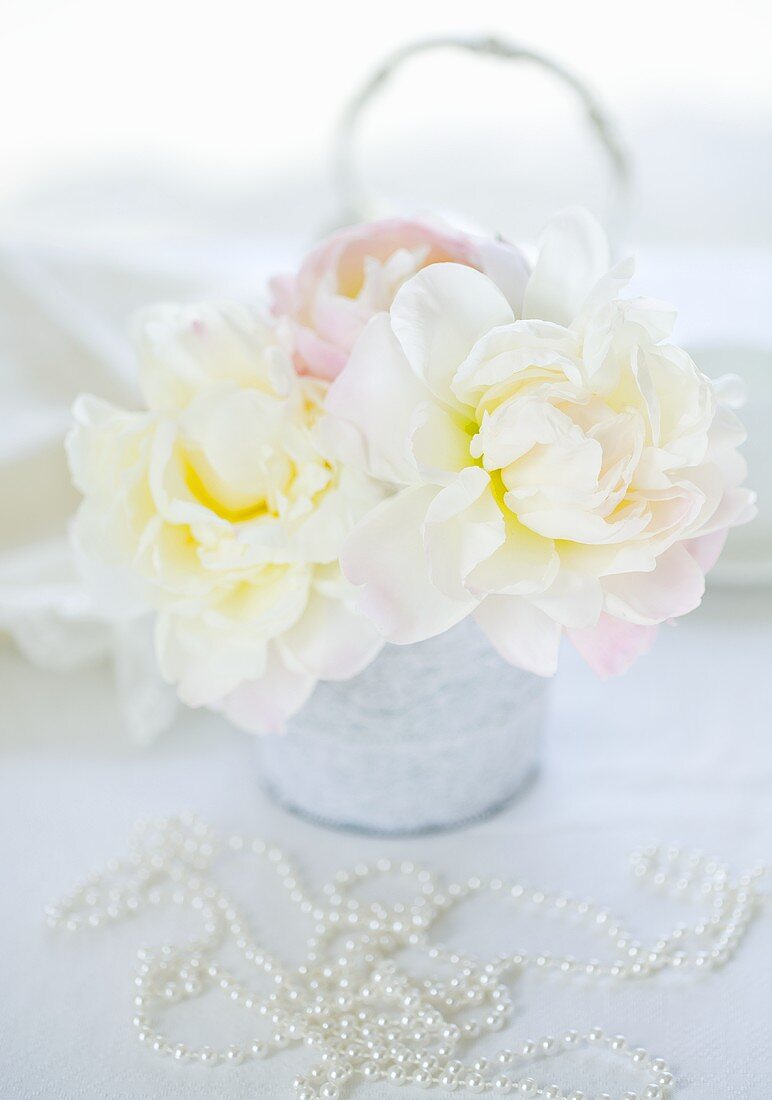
<point x="463" y="527"/>
<point x="385" y="554"/>
<point x="610" y="647"/>
<point x="580" y="525"/>
<point x="573" y="255"/>
<point x="439" y="443"/>
<point x="204" y="666"/>
<point x="675" y="587"/>
<point x="102" y="555"/>
<point x="526" y="563"/>
<point x="438" y="315"/>
<point x="265" y="705"/>
<point x="314" y="355"/>
<point x="522" y="351"/>
<point x="330" y="641"/>
<point x="186" y="349"/>
<point x="706" y="549"/>
<point x="572" y="599"/>
<point x="506" y="265"/>
<point x="736" y="507"/>
<point x="378" y="394"/>
<point x="521" y="633"/>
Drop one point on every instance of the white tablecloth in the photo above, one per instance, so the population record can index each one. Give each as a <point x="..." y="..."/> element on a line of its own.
<point x="678" y="750"/>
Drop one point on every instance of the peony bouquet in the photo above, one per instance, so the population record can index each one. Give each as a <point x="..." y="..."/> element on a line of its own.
<point x="423" y="426"/>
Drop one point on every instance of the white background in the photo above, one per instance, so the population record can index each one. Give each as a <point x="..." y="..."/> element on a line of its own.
<point x="165" y="100"/>
<point x="161" y="147"/>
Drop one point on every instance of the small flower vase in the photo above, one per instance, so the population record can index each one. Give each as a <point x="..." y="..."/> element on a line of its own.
<point x="430" y="736"/>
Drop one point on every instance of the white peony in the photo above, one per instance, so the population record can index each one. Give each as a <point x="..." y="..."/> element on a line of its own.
<point x="219" y="509"/>
<point x="559" y="466"/>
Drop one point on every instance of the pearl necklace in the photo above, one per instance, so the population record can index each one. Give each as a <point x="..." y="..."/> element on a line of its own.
<point x="351" y="1003"/>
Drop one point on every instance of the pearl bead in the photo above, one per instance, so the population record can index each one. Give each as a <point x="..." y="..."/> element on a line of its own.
<point x="349" y="1001"/>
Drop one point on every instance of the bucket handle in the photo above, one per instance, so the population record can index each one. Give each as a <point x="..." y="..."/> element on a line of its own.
<point x="354" y="203"/>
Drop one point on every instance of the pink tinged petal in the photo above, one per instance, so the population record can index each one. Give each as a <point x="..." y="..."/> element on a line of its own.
<point x="718" y="501"/>
<point x="738" y="506"/>
<point x="573" y="255"/>
<point x="610" y="647"/>
<point x="315" y="355"/>
<point x="378" y="394"/>
<point x="674" y="587"/>
<point x="330" y="641"/>
<point x="336" y="316"/>
<point x="463" y="527"/>
<point x="572" y="599"/>
<point x="282" y="289"/>
<point x="385" y="555"/>
<point x="266" y="704"/>
<point x="706" y="549"/>
<point x="438" y="315"/>
<point x="521" y="633"/>
<point x="349" y="276"/>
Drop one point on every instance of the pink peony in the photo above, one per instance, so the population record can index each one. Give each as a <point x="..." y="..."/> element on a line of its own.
<point x="355" y="273"/>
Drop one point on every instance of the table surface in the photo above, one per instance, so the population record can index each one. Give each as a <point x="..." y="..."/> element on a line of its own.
<point x="678" y="751"/>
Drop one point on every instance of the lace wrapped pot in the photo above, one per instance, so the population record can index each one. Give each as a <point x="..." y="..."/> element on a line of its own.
<point x="430" y="736"/>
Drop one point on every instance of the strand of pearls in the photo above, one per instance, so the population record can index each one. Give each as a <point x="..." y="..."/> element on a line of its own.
<point x="351" y="1003"/>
